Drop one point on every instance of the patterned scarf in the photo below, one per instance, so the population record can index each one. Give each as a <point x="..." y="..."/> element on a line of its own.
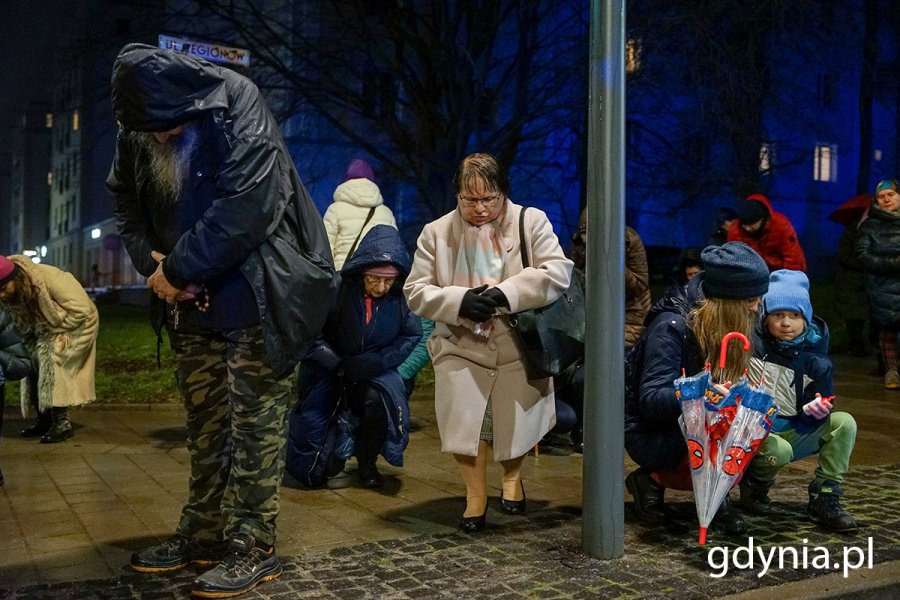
<point x="481" y="259"/>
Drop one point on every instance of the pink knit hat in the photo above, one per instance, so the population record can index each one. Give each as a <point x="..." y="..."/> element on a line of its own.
<point x="7" y="270"/>
<point x="385" y="270"/>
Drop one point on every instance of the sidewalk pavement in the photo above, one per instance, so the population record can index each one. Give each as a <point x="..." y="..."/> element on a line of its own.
<point x="72" y="513"/>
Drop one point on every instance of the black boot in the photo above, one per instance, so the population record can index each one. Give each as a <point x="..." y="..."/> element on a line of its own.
<point x="369" y="477"/>
<point x="755" y="495"/>
<point x="648" y="497"/>
<point x="370" y="436"/>
<point x="727" y="521"/>
<point x="825" y="509"/>
<point x="39" y="426"/>
<point x="61" y="429"/>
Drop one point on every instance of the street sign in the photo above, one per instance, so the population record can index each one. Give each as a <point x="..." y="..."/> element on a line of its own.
<point x="206" y="50"/>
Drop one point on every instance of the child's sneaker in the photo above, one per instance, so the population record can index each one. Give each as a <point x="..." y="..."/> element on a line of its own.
<point x="825" y="509"/>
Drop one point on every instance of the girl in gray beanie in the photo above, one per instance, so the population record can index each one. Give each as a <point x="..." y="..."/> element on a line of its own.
<point x="684" y="332"/>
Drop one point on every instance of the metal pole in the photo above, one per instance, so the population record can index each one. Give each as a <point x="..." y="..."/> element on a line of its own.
<point x="604" y="396"/>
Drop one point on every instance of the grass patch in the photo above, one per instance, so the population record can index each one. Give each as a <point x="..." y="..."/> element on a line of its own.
<point x="126" y="359"/>
<point x="126" y="354"/>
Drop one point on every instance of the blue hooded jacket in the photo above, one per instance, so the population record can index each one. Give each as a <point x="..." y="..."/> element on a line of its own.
<point x="391" y="333"/>
<point x="806" y="359"/>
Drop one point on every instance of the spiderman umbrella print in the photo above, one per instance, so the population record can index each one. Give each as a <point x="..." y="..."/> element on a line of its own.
<point x="695" y="423"/>
<point x="721" y="432"/>
<point x="748" y="430"/>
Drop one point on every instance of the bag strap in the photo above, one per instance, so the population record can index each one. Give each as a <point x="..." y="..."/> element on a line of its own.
<point x="359" y="235"/>
<point x="523" y="248"/>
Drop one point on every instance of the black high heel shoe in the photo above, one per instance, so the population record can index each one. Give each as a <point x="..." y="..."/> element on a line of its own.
<point x="513" y="507"/>
<point x="473" y="524"/>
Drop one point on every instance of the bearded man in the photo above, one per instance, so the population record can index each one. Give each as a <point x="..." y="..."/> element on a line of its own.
<point x="212" y="211"/>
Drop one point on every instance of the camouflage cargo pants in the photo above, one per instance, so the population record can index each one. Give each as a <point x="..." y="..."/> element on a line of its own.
<point x="236" y="424"/>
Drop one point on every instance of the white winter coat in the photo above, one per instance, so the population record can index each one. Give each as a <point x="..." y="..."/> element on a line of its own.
<point x="470" y="369"/>
<point x="345" y="217"/>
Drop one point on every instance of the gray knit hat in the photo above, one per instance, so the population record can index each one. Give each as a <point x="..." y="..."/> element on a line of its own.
<point x="734" y="271"/>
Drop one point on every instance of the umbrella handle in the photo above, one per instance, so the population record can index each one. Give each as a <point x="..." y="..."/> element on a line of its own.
<point x="727" y="338"/>
<point x="702" y="536"/>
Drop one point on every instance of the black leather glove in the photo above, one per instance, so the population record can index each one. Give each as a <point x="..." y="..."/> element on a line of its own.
<point x="476" y="307"/>
<point x="362" y="367"/>
<point x="497" y="296"/>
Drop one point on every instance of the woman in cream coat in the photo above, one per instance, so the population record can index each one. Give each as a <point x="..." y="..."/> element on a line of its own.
<point x="466" y="271"/>
<point x="59" y="324"/>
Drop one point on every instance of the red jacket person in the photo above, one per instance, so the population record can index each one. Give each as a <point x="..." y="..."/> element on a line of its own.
<point x="768" y="232"/>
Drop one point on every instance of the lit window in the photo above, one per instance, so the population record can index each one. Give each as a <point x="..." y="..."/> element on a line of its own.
<point x="48" y="120"/>
<point x="50" y="178"/>
<point x="75" y="121"/>
<point x="632" y="55"/>
<point x="766" y="157"/>
<point x="825" y="163"/>
<point x="95" y="233"/>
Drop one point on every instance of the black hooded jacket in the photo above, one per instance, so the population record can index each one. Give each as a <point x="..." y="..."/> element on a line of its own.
<point x="878" y="250"/>
<point x="244" y="225"/>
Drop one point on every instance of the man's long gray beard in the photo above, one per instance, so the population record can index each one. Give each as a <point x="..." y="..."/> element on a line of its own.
<point x="170" y="161"/>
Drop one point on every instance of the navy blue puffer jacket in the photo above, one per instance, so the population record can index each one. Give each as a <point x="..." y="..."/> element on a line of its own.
<point x="392" y="333"/>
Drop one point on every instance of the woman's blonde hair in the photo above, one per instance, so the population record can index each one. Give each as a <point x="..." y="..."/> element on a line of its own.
<point x="710" y="321"/>
<point x="23" y="308"/>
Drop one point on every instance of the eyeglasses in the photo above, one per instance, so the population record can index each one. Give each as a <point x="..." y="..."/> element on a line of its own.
<point x="486" y="201"/>
<point x="376" y="280"/>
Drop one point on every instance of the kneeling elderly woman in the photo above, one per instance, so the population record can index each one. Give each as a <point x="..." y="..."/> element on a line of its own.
<point x="370" y="331"/>
<point x="468" y="268"/>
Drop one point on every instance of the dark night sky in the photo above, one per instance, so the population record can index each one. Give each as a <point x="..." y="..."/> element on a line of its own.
<point x="29" y="32"/>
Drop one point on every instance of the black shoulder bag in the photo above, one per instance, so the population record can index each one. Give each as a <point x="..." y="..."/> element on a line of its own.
<point x="550" y="338"/>
<point x="359" y="235"/>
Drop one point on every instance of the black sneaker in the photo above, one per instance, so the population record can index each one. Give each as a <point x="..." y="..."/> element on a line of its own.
<point x="825" y="508"/>
<point x="176" y="553"/>
<point x="244" y="567"/>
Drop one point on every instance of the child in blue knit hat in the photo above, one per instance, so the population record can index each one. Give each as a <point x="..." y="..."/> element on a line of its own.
<point x="793" y="363"/>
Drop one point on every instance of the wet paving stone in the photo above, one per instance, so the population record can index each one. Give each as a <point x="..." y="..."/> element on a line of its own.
<point x="540" y="556"/>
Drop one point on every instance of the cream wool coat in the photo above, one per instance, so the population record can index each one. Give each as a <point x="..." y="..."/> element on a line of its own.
<point x="66" y="354"/>
<point x="471" y="369"/>
<point x="344" y="218"/>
